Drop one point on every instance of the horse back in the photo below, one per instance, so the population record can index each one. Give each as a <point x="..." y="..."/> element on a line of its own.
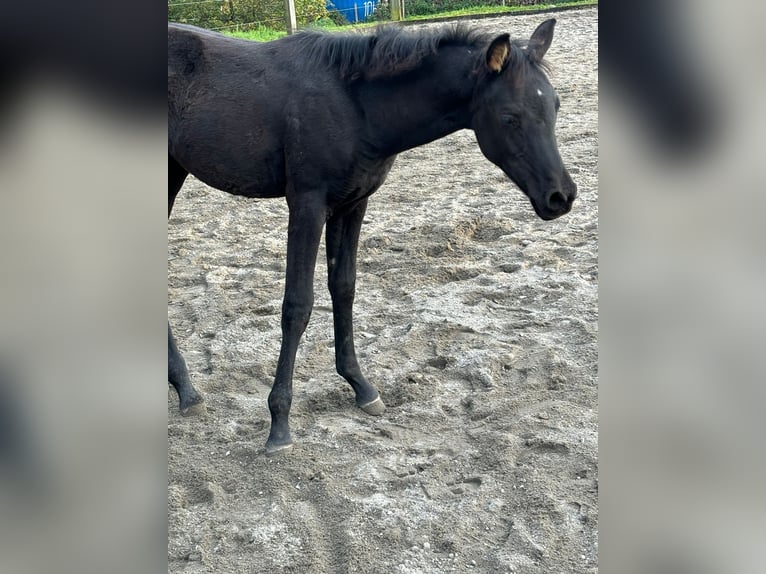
<point x="248" y="118"/>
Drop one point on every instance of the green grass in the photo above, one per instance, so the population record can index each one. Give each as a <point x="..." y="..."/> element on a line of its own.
<point x="259" y="34"/>
<point x="480" y="10"/>
<point x="267" y="34"/>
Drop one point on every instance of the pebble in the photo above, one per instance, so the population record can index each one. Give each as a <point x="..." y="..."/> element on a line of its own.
<point x="559" y="379"/>
<point x="426" y="546"/>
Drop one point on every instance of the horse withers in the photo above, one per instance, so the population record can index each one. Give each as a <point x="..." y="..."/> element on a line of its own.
<point x="319" y="118"/>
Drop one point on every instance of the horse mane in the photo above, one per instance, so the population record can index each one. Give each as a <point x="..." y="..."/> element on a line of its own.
<point x="391" y="50"/>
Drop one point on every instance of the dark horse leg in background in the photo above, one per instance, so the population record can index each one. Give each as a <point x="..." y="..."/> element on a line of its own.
<point x="342" y="238"/>
<point x="189" y="400"/>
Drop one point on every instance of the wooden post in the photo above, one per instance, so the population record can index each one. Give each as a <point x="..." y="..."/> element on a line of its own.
<point x="292" y="25"/>
<point x="397" y="9"/>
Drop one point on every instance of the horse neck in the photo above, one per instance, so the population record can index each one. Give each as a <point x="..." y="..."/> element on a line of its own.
<point x="421" y="106"/>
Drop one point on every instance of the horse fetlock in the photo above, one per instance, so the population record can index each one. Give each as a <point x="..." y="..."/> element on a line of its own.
<point x="279" y="439"/>
<point x="352" y="373"/>
<point x="190" y="402"/>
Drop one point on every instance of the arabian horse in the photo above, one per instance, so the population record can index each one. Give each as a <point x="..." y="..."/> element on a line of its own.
<point x="319" y="118"/>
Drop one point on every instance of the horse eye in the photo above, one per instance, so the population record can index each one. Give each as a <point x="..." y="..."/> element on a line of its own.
<point x="512" y="120"/>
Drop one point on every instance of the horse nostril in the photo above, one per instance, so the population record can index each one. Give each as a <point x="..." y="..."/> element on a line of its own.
<point x="557" y="201"/>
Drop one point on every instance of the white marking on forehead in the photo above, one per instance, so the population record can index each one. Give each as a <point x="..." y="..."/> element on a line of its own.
<point x="539" y="93"/>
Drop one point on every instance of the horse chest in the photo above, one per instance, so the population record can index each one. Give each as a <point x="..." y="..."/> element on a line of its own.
<point x="364" y="181"/>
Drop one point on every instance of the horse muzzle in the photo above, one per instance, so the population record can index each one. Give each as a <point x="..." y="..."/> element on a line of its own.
<point x="557" y="201"/>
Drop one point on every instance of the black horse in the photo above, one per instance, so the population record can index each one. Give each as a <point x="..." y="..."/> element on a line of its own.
<point x="319" y="119"/>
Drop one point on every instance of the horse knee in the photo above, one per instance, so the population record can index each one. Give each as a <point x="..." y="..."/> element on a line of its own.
<point x="295" y="316"/>
<point x="342" y="290"/>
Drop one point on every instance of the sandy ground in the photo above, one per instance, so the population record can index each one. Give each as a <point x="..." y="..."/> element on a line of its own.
<point x="476" y="320"/>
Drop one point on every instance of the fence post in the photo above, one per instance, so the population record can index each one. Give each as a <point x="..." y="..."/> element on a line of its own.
<point x="292" y="25"/>
<point x="397" y="9"/>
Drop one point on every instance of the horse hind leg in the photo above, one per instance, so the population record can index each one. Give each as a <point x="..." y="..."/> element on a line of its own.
<point x="176" y="177"/>
<point x="342" y="239"/>
<point x="190" y="402"/>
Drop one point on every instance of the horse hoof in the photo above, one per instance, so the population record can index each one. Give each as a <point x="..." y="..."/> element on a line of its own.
<point x="272" y="449"/>
<point x="375" y="408"/>
<point x="196" y="410"/>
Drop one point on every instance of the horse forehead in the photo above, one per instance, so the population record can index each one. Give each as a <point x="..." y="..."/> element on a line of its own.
<point x="538" y="100"/>
<point x="540" y="86"/>
<point x="533" y="91"/>
<point x="532" y="84"/>
<point x="540" y="91"/>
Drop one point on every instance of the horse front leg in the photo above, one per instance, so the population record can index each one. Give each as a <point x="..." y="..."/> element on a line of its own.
<point x="303" y="234"/>
<point x="342" y="240"/>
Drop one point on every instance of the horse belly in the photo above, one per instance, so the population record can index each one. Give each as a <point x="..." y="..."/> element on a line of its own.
<point x="236" y="161"/>
<point x="260" y="186"/>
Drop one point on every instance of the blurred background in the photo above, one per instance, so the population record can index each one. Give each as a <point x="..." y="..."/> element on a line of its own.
<point x="83" y="292"/>
<point x="682" y="278"/>
<point x="268" y="16"/>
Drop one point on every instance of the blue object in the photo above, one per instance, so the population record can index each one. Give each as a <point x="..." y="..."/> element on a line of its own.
<point x="353" y="10"/>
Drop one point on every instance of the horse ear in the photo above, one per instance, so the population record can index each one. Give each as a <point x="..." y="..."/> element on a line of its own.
<point x="541" y="40"/>
<point x="498" y="52"/>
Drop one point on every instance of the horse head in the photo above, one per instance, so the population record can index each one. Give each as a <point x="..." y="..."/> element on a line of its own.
<point x="514" y="112"/>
